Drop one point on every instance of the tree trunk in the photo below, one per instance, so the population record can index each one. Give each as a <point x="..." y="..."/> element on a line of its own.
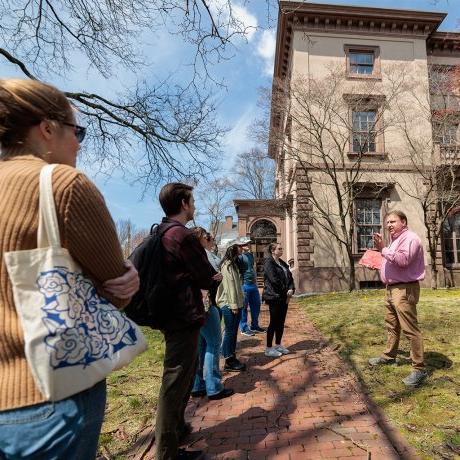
<point x="434" y="272"/>
<point x="352" y="277"/>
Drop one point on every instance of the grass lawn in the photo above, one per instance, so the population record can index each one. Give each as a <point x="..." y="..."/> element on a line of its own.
<point x="132" y="397"/>
<point x="429" y="416"/>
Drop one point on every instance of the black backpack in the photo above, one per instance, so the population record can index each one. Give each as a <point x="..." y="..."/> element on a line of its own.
<point x="148" y="305"/>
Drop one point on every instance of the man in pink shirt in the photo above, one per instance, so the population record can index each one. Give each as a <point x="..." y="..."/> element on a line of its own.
<point x="402" y="268"/>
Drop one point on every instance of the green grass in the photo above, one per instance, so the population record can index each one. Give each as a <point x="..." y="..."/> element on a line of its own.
<point x="132" y="398"/>
<point x="429" y="416"/>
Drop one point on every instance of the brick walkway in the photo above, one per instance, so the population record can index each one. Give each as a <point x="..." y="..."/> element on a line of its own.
<point x="306" y="405"/>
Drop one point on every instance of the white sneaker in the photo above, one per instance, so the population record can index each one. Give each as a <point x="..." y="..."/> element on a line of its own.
<point x="282" y="350"/>
<point x="272" y="352"/>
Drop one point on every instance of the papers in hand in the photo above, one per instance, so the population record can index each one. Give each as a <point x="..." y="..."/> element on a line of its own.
<point x="371" y="259"/>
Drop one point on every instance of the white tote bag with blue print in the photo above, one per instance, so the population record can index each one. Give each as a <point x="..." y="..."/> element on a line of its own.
<point x="73" y="337"/>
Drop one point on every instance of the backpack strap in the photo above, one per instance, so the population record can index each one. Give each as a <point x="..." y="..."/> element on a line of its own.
<point x="166" y="228"/>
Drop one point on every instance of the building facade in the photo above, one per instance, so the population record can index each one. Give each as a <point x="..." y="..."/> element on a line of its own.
<point x="365" y="120"/>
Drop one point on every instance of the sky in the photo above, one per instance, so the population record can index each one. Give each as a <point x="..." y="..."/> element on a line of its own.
<point x="250" y="67"/>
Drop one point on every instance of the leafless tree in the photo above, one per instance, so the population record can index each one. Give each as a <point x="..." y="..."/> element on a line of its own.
<point x="214" y="202"/>
<point x="129" y="235"/>
<point x="322" y="155"/>
<point x="155" y="130"/>
<point x="435" y="156"/>
<point x="125" y="233"/>
<point x="254" y="175"/>
<point x="259" y="129"/>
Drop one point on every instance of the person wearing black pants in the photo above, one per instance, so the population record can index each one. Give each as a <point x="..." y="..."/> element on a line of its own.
<point x="278" y="289"/>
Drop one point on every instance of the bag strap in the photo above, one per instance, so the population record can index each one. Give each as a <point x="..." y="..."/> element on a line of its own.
<point x="163" y="231"/>
<point x="48" y="228"/>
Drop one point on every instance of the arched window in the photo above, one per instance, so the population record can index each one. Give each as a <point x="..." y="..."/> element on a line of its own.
<point x="451" y="239"/>
<point x="262" y="229"/>
<point x="263" y="232"/>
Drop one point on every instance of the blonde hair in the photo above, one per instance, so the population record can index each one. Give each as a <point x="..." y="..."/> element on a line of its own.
<point x="23" y="104"/>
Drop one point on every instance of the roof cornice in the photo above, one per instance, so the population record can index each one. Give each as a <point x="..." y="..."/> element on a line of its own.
<point x="356" y="20"/>
<point x="444" y="44"/>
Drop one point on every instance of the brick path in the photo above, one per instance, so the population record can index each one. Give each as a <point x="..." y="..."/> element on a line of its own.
<point x="306" y="405"/>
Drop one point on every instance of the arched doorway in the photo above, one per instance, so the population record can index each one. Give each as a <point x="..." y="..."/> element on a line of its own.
<point x="263" y="232"/>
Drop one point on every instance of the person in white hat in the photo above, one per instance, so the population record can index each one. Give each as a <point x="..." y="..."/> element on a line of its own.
<point x="251" y="291"/>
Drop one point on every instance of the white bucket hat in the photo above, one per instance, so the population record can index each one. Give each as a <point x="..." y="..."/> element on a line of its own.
<point x="242" y="241"/>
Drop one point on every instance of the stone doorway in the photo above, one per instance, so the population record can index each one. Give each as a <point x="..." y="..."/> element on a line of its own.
<point x="263" y="232"/>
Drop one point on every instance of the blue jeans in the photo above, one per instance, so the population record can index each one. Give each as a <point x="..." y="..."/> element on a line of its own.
<point x="62" y="430"/>
<point x="231" y="321"/>
<point x="208" y="376"/>
<point x="251" y="297"/>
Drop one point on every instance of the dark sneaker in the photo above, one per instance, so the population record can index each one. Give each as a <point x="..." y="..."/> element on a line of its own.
<point x="381" y="361"/>
<point x="258" y="329"/>
<point x="198" y="394"/>
<point x="248" y="333"/>
<point x="190" y="454"/>
<point x="234" y="365"/>
<point x="415" y="378"/>
<point x="225" y="393"/>
<point x="185" y="431"/>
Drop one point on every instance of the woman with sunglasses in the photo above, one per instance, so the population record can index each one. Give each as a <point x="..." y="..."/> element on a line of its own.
<point x="208" y="378"/>
<point x="37" y="127"/>
<point x="278" y="290"/>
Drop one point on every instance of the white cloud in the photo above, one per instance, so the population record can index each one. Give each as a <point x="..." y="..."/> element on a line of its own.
<point x="237" y="139"/>
<point x="243" y="20"/>
<point x="248" y="20"/>
<point x="266" y="50"/>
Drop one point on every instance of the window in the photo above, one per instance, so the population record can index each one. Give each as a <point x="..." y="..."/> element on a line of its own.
<point x="368" y="222"/>
<point x="364" y="131"/>
<point x="451" y="240"/>
<point x="362" y="61"/>
<point x="374" y="284"/>
<point x="448" y="135"/>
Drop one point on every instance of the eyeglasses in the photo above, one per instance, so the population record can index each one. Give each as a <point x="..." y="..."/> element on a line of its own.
<point x="80" y="131"/>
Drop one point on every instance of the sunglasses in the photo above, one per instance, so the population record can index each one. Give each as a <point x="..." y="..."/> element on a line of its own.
<point x="80" y="131"/>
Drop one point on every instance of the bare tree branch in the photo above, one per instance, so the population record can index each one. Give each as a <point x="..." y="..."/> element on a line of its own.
<point x="154" y="131"/>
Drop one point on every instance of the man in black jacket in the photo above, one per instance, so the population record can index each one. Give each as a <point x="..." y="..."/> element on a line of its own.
<point x="187" y="271"/>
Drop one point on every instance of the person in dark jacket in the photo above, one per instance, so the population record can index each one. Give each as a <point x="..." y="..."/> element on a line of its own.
<point x="208" y="378"/>
<point x="278" y="289"/>
<point x="187" y="271"/>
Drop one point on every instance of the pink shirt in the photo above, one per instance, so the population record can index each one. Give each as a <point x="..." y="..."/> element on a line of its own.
<point x="403" y="260"/>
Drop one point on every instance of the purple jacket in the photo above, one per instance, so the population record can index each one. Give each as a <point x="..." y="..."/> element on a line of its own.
<point x="187" y="271"/>
<point x="403" y="260"/>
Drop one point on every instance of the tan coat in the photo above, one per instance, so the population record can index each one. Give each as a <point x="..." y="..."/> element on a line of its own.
<point x="87" y="231"/>
<point x="230" y="290"/>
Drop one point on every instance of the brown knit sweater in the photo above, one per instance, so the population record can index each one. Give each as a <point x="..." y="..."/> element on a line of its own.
<point x="87" y="231"/>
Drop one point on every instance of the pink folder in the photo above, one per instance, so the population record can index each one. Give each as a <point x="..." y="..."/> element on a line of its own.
<point x="371" y="259"/>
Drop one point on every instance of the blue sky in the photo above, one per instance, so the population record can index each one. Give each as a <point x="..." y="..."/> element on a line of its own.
<point x="250" y="67"/>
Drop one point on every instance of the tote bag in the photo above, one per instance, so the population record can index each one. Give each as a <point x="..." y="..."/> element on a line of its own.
<point x="73" y="337"/>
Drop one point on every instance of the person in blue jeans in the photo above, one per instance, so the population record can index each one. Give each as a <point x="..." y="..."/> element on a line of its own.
<point x="208" y="378"/>
<point x="251" y="291"/>
<point x="230" y="300"/>
<point x="66" y="429"/>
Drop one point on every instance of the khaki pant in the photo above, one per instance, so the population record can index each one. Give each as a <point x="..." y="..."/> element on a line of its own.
<point x="401" y="314"/>
<point x="180" y="362"/>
